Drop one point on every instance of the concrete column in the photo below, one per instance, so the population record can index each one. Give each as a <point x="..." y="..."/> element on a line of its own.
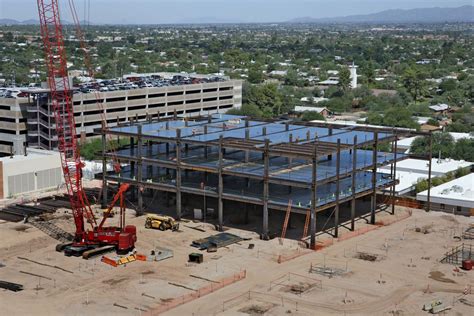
<point x="314" y="199"/>
<point x="338" y="188"/>
<point x="139" y="170"/>
<point x="374" y="179"/>
<point x="178" y="175"/>
<point x="353" y="184"/>
<point x="266" y="162"/>
<point x="220" y="202"/>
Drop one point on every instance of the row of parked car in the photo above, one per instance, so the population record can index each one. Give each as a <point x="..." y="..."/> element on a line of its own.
<point x="142" y="82"/>
<point x="12" y="93"/>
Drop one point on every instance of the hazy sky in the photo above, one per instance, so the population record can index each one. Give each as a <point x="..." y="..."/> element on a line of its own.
<point x="181" y="11"/>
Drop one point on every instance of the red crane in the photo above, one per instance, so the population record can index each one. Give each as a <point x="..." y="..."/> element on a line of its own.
<point x="86" y="242"/>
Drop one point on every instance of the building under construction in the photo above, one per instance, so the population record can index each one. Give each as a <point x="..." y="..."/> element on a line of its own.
<point x="264" y="166"/>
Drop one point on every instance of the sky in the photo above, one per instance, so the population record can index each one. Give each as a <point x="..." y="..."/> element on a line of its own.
<point x="201" y="11"/>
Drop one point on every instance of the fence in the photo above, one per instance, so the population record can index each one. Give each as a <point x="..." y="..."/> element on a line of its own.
<point x="164" y="307"/>
<point x="285" y="280"/>
<point x="287" y="257"/>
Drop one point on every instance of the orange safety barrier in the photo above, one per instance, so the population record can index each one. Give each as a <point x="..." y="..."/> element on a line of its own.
<point x="298" y="253"/>
<point x="140" y="257"/>
<point x="166" y="306"/>
<point x="107" y="260"/>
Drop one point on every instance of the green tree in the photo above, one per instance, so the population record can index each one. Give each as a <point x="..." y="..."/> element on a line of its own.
<point x="443" y="144"/>
<point x="255" y="75"/>
<point x="312" y="116"/>
<point x="414" y="82"/>
<point x="344" y="78"/>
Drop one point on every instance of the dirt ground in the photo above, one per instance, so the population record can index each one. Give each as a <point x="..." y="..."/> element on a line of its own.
<point x="404" y="275"/>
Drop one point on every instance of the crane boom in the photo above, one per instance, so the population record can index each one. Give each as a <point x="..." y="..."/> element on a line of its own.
<point x="86" y="241"/>
<point x="61" y="101"/>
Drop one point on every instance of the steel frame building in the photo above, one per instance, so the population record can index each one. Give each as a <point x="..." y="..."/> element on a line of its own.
<point x="274" y="164"/>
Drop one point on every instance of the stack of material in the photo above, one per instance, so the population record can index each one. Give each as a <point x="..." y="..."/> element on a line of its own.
<point x="15" y="287"/>
<point x="216" y="241"/>
<point x="469" y="233"/>
<point x="160" y="254"/>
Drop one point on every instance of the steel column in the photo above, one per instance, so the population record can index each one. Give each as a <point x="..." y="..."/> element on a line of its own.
<point x="374" y="179"/>
<point x="178" y="174"/>
<point x="338" y="188"/>
<point x="430" y="155"/>
<point x="266" y="163"/>
<point x="314" y="198"/>
<point x="220" y="202"/>
<point x="395" y="152"/>
<point x="139" y="170"/>
<point x="353" y="184"/>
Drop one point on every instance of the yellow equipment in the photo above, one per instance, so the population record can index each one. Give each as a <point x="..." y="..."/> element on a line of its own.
<point x="162" y="222"/>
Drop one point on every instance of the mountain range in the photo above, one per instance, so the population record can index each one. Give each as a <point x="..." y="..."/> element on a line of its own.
<point x="422" y="15"/>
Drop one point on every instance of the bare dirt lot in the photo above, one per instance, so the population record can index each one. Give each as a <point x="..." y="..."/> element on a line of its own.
<point x="391" y="270"/>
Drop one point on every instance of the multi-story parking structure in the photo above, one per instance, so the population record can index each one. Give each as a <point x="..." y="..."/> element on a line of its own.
<point x="30" y="120"/>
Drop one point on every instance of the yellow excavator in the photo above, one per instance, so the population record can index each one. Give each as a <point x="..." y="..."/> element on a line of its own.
<point x="161" y="222"/>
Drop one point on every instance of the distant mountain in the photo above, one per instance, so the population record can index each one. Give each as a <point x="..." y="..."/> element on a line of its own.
<point x="32" y="22"/>
<point x="423" y="15"/>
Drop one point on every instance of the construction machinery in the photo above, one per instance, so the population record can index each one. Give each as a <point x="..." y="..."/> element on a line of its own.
<point x="161" y="222"/>
<point x="97" y="238"/>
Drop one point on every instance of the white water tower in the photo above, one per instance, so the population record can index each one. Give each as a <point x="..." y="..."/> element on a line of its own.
<point x="353" y="70"/>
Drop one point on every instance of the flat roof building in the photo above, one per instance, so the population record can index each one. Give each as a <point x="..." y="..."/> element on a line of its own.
<point x="38" y="170"/>
<point x="456" y="196"/>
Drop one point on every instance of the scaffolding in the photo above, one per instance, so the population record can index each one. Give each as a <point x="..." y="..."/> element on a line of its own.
<point x="264" y="163"/>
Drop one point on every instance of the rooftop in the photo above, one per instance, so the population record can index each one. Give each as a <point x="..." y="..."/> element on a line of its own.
<point x="439" y="167"/>
<point x="32" y="154"/>
<point x="458" y="192"/>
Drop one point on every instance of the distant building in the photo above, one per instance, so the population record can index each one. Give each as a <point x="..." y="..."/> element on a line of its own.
<point x="38" y="170"/>
<point x="313" y="99"/>
<point x="440" y="108"/>
<point x="456" y="196"/>
<point x="323" y="111"/>
<point x="278" y="73"/>
<point x="410" y="171"/>
<point x="29" y="121"/>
